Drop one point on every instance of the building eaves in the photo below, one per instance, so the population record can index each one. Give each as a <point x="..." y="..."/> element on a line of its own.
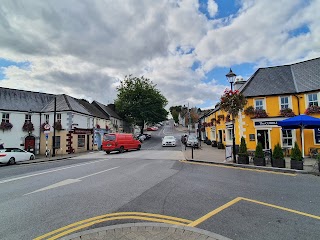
<point x="92" y="109"/>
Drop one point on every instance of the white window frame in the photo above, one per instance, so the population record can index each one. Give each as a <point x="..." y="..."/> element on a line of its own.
<point x="263" y="103"/>
<point x="47" y="118"/>
<point x="27" y="118"/>
<point x="289" y="102"/>
<point x="229" y="135"/>
<point x="283" y="138"/>
<point x="5" y="117"/>
<point x="59" y="117"/>
<point x="314" y="101"/>
<point x="213" y="134"/>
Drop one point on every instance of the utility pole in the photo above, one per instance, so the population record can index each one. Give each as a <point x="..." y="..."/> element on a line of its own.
<point x="54" y="128"/>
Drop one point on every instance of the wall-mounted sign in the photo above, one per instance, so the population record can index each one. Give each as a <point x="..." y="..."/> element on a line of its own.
<point x="266" y="123"/>
<point x="229" y="126"/>
<point x="252" y="137"/>
<point x="317" y="135"/>
<point x="82" y="131"/>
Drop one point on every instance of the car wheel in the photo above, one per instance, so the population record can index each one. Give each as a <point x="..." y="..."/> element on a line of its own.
<point x="107" y="152"/>
<point x="31" y="157"/>
<point x="121" y="149"/>
<point x="139" y="147"/>
<point x="11" y="161"/>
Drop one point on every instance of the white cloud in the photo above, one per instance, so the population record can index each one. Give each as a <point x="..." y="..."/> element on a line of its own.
<point x="83" y="48"/>
<point x="212" y="8"/>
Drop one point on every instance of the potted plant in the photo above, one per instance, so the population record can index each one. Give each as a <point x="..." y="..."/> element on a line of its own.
<point x="259" y="159"/>
<point x="278" y="157"/>
<point x="214" y="144"/>
<point x="220" y="145"/>
<point x="243" y="156"/>
<point x="5" y="126"/>
<point x="28" y="126"/>
<point x="296" y="158"/>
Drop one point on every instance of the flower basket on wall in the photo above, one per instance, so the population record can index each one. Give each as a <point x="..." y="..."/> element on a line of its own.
<point x="287" y="112"/>
<point x="5" y="126"/>
<point x="98" y="126"/>
<point x="228" y="119"/>
<point x="28" y="127"/>
<point x="249" y="111"/>
<point x="57" y="126"/>
<point x="260" y="113"/>
<point x="312" y="110"/>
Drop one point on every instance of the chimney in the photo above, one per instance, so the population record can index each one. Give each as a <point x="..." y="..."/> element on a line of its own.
<point x="238" y="83"/>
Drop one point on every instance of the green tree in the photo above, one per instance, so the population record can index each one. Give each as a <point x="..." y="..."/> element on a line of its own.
<point x="175" y="110"/>
<point x="139" y="101"/>
<point x="232" y="102"/>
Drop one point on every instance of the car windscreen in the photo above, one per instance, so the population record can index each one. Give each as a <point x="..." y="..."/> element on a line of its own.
<point x="193" y="138"/>
<point x="109" y="137"/>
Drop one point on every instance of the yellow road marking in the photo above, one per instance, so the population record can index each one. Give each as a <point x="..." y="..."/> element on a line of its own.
<point x="214" y="212"/>
<point x="130" y="215"/>
<point x="110" y="219"/>
<point x="282" y="208"/>
<point x="239" y="168"/>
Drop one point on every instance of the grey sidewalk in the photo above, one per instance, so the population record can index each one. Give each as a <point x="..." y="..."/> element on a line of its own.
<point x="145" y="231"/>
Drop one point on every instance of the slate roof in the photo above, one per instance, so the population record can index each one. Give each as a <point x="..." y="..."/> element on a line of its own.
<point x="106" y="109"/>
<point x="65" y="103"/>
<point x="92" y="109"/>
<point x="287" y="79"/>
<point x="20" y="100"/>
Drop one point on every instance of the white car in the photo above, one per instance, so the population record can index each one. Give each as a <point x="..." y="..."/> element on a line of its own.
<point x="168" y="141"/>
<point x="13" y="155"/>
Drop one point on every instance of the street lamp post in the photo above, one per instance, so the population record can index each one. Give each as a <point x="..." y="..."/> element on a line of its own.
<point x="231" y="76"/>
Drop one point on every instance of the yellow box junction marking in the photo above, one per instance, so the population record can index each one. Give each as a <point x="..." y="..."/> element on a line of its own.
<point x="238" y="168"/>
<point x="113" y="216"/>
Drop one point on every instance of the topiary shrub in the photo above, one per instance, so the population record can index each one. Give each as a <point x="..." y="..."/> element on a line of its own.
<point x="278" y="157"/>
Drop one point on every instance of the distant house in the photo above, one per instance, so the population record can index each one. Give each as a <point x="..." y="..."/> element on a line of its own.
<point x="109" y="112"/>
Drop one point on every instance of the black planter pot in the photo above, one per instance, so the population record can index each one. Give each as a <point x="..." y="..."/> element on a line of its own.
<point x="278" y="163"/>
<point x="220" y="145"/>
<point x="243" y="159"/>
<point x="214" y="144"/>
<point x="259" y="161"/>
<point x="298" y="165"/>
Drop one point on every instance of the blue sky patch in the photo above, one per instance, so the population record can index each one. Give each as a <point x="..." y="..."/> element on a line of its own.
<point x="304" y="29"/>
<point x="4" y="63"/>
<point x="225" y="8"/>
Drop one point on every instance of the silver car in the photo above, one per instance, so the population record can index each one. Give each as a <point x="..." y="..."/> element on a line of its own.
<point x="168" y="141"/>
<point x="192" y="141"/>
<point x="13" y="155"/>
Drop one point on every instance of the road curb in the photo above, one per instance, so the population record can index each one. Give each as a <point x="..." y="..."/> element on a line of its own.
<point x="271" y="169"/>
<point x="143" y="227"/>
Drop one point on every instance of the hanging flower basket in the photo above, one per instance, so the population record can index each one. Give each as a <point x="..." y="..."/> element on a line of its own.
<point x="57" y="126"/>
<point x="260" y="113"/>
<point x="107" y="128"/>
<point x="28" y="127"/>
<point x="249" y="110"/>
<point x="228" y="119"/>
<point x="287" y="112"/>
<point x="5" y="126"/>
<point x="312" y="110"/>
<point x="98" y="126"/>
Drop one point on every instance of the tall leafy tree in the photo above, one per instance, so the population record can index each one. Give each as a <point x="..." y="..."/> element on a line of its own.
<point x="139" y="101"/>
<point x="175" y="110"/>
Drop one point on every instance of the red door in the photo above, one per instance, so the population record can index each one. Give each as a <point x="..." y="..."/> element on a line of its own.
<point x="29" y="144"/>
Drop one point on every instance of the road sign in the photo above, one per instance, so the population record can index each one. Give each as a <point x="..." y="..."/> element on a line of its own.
<point x="46" y="127"/>
<point x="47" y="136"/>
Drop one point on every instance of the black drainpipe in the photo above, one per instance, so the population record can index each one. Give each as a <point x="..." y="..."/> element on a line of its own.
<point x="298" y="99"/>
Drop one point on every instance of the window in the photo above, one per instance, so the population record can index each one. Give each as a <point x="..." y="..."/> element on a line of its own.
<point x="27" y="118"/>
<point x="59" y="117"/>
<point x="287" y="138"/>
<point x="213" y="134"/>
<point x="313" y="100"/>
<point x="229" y="135"/>
<point x="81" y="141"/>
<point x="284" y="103"/>
<point x="57" y="142"/>
<point x="5" y="117"/>
<point x="259" y="104"/>
<point x="46" y="117"/>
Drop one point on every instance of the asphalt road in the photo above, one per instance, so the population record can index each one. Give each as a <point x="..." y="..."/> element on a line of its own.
<point x="240" y="204"/>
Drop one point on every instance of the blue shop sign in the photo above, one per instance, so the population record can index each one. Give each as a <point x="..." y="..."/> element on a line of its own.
<point x="317" y="135"/>
<point x="266" y="123"/>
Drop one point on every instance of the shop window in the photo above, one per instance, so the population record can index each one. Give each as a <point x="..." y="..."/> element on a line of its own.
<point x="57" y="142"/>
<point x="213" y="134"/>
<point x="81" y="141"/>
<point x="313" y="100"/>
<point x="229" y="135"/>
<point x="259" y="104"/>
<point x="284" y="103"/>
<point x="287" y="139"/>
<point x="5" y="117"/>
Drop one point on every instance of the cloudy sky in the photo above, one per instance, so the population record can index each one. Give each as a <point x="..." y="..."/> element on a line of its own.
<point x="84" y="48"/>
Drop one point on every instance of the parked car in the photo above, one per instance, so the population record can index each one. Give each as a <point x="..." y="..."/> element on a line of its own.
<point x="120" y="142"/>
<point x="152" y="128"/>
<point x="192" y="141"/>
<point x="140" y="137"/>
<point x="14" y="155"/>
<point x="148" y="136"/>
<point x="168" y="141"/>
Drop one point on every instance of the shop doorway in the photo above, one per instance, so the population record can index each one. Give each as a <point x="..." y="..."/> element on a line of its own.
<point x="220" y="136"/>
<point x="263" y="138"/>
<point x="29" y="144"/>
<point x="88" y="142"/>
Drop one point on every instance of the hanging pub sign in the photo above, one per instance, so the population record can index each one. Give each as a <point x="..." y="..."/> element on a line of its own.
<point x="266" y="123"/>
<point x="317" y="135"/>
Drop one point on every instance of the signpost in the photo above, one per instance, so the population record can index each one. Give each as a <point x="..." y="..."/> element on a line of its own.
<point x="46" y="132"/>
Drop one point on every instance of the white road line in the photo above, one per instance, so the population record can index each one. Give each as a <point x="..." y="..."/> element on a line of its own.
<point x="68" y="181"/>
<point x="55" y="170"/>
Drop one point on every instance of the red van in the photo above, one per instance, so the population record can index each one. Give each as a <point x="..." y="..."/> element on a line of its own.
<point x="119" y="142"/>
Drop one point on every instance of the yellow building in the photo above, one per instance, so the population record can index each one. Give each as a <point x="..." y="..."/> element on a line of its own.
<point x="273" y="94"/>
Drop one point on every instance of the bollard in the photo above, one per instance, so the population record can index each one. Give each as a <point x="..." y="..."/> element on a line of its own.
<point x="192" y="151"/>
